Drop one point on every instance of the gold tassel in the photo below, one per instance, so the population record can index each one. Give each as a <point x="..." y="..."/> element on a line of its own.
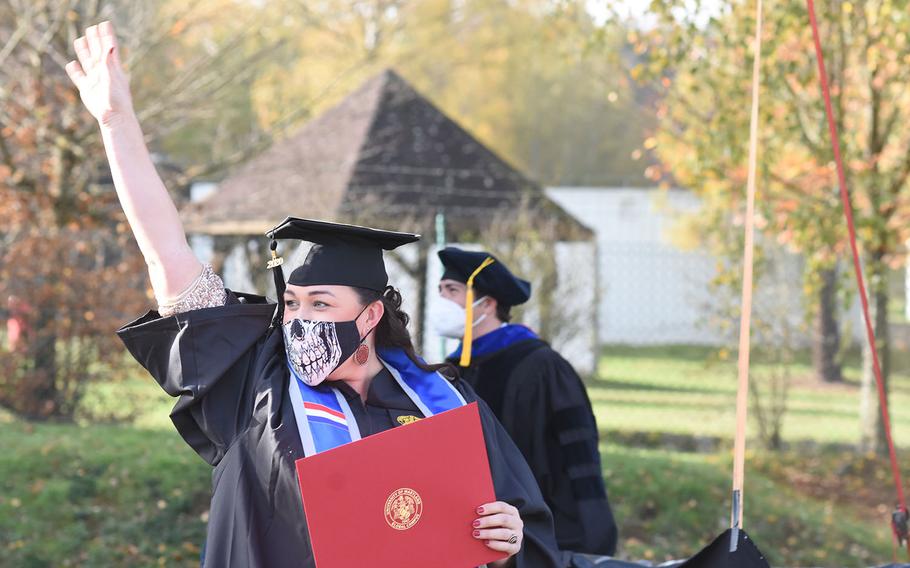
<point x="469" y="315"/>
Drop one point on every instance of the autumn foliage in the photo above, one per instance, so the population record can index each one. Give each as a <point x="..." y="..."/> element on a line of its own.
<point x="70" y="273"/>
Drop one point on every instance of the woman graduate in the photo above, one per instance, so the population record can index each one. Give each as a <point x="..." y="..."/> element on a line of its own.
<point x="248" y="374"/>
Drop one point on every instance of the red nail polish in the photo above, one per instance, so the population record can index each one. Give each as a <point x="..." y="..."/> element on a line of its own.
<point x="476" y="533"/>
<point x="479" y="510"/>
<point x="476" y="523"/>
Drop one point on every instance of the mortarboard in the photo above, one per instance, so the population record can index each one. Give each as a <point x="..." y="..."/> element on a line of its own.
<point x="490" y="277"/>
<point x="495" y="280"/>
<point x="345" y="255"/>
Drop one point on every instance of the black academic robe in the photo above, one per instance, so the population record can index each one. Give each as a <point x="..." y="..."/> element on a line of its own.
<point x="228" y="369"/>
<point x="543" y="405"/>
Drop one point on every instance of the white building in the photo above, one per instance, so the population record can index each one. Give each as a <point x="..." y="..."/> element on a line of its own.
<point x="651" y="290"/>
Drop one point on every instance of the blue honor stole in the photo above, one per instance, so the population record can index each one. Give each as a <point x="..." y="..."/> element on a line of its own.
<point x="324" y="417"/>
<point x="504" y="336"/>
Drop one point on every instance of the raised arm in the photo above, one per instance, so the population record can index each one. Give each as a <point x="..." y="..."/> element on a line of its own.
<point x="104" y="88"/>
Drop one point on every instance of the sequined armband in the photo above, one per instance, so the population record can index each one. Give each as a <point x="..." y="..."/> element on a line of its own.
<point x="207" y="291"/>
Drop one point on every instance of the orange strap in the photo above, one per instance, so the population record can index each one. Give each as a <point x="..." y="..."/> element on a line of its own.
<point x="742" y="393"/>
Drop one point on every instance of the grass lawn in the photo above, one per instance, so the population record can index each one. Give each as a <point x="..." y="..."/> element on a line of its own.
<point x="99" y="496"/>
<point x="686" y="390"/>
<point x="133" y="494"/>
<point x="824" y="507"/>
<point x="668" y="505"/>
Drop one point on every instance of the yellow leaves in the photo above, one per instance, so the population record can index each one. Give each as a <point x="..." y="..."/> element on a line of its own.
<point x="847" y="7"/>
<point x="685" y="234"/>
<point x="873" y="55"/>
<point x="788" y="205"/>
<point x="650" y="143"/>
<point x="178" y="27"/>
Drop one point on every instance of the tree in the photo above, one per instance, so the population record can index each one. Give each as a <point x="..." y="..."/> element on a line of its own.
<point x="703" y="66"/>
<point x="776" y="324"/>
<point x="521" y="76"/>
<point x="67" y="256"/>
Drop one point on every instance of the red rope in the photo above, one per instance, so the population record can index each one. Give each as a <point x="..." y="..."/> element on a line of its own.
<point x="848" y="213"/>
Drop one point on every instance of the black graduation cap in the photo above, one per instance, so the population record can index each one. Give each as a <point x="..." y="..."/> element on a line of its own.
<point x="346" y="255"/>
<point x="494" y="280"/>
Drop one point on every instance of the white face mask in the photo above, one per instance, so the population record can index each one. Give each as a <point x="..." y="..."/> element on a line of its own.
<point x="449" y="320"/>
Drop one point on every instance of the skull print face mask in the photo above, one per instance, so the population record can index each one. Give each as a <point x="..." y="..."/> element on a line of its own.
<point x="316" y="348"/>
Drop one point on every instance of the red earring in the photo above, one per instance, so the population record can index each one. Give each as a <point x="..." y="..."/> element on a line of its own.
<point x="362" y="354"/>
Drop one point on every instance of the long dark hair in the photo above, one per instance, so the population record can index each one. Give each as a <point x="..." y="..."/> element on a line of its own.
<point x="392" y="329"/>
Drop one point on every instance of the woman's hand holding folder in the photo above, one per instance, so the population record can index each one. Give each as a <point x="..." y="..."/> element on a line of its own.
<point x="500" y="527"/>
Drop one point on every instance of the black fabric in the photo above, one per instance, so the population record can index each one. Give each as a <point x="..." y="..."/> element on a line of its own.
<point x="578" y="453"/>
<point x="497" y="373"/>
<point x="346" y="255"/>
<point x="590" y="487"/>
<point x="385" y="404"/>
<point x="228" y="370"/>
<point x="718" y="555"/>
<point x="495" y="280"/>
<point x="585" y="561"/>
<point x="543" y="405"/>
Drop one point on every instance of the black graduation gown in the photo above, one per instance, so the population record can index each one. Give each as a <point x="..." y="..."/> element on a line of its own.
<point x="543" y="405"/>
<point x="228" y="369"/>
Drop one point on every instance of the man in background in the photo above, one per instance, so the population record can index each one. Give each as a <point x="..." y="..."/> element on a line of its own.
<point x="536" y="394"/>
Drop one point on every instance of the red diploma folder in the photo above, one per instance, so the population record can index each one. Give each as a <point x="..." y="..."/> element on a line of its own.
<point x="403" y="498"/>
